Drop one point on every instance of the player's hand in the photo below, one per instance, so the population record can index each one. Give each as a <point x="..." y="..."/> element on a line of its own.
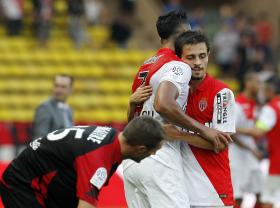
<point x="217" y="138"/>
<point x="258" y="154"/>
<point x="141" y="94"/>
<point x="171" y="131"/>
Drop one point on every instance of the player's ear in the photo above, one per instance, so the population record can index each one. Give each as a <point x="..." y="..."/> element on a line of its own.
<point x="141" y="149"/>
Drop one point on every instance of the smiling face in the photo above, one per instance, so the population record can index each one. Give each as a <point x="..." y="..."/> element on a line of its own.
<point x="196" y="55"/>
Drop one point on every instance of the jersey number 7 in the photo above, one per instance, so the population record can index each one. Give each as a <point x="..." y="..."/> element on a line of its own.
<point x="143" y="76"/>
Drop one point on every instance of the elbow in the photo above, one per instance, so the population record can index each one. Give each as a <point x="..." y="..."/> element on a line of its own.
<point x="160" y="108"/>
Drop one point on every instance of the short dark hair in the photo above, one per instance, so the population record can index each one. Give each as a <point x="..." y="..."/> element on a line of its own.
<point x="167" y="24"/>
<point x="65" y="75"/>
<point x="274" y="83"/>
<point x="144" y="130"/>
<point x="190" y="37"/>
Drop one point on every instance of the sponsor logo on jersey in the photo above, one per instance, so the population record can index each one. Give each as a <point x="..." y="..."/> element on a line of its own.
<point x="202" y="105"/>
<point x="35" y="144"/>
<point x="219" y="108"/>
<point x="99" y="177"/>
<point x="177" y="70"/>
<point x="99" y="134"/>
<point x="152" y="59"/>
<point x="222" y="107"/>
<point x="225" y="109"/>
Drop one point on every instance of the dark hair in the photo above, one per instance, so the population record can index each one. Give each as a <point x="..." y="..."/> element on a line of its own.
<point x="190" y="38"/>
<point x="274" y="83"/>
<point x="167" y="24"/>
<point x="144" y="130"/>
<point x="65" y="75"/>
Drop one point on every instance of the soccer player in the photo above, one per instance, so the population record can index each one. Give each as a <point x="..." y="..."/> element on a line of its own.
<point x="158" y="181"/>
<point x="210" y="102"/>
<point x="268" y="124"/>
<point x="243" y="154"/>
<point x="68" y="167"/>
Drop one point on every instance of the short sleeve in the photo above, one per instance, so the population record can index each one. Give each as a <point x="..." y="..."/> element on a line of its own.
<point x="178" y="73"/>
<point x="91" y="176"/>
<point x="224" y="111"/>
<point x="267" y="118"/>
<point x="240" y="118"/>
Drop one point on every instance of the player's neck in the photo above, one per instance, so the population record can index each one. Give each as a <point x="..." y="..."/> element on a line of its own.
<point x="167" y="44"/>
<point x="195" y="83"/>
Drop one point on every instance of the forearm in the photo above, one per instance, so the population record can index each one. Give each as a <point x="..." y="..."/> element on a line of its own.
<point x="84" y="204"/>
<point x="175" y="115"/>
<point x="254" y="132"/>
<point x="130" y="111"/>
<point x="239" y="143"/>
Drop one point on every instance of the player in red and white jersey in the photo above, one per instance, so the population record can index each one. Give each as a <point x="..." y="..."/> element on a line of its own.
<point x="243" y="154"/>
<point x="158" y="181"/>
<point x="268" y="124"/>
<point x="210" y="102"/>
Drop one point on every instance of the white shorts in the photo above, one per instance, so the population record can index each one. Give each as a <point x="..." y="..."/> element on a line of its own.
<point x="246" y="173"/>
<point x="271" y="189"/>
<point x="153" y="184"/>
<point x="211" y="206"/>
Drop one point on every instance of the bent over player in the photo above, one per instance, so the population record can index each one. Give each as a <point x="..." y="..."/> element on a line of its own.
<point x="67" y="168"/>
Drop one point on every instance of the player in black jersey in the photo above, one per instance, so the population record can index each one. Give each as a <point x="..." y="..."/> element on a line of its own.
<point x="68" y="167"/>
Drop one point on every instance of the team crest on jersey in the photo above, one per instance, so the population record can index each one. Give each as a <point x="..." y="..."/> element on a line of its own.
<point x="202" y="105"/>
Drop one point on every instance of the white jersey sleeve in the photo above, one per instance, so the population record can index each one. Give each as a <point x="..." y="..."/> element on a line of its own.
<point x="177" y="73"/>
<point x="224" y="111"/>
<point x="267" y="118"/>
<point x="240" y="117"/>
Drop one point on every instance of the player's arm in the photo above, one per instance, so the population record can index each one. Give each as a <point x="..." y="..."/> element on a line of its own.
<point x="84" y="204"/>
<point x="139" y="96"/>
<point x="165" y="104"/>
<point x="265" y="123"/>
<point x="192" y="139"/>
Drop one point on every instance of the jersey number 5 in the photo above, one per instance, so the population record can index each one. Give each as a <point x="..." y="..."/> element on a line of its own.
<point x="57" y="135"/>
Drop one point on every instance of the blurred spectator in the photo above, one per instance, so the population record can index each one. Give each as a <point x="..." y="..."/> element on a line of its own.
<point x="43" y="11"/>
<point x="225" y="46"/>
<point x="121" y="28"/>
<point x="77" y="22"/>
<point x="54" y="113"/>
<point x="13" y="12"/>
<point x="93" y="11"/>
<point x="197" y="20"/>
<point x="246" y="51"/>
<point x="264" y="30"/>
<point x="169" y="5"/>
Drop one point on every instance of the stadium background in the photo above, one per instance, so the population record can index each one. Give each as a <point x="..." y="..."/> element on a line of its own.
<point x="103" y="68"/>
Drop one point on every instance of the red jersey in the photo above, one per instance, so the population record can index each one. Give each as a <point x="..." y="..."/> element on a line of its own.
<point x="270" y="118"/>
<point x="150" y="67"/>
<point x="209" y="178"/>
<point x="64" y="166"/>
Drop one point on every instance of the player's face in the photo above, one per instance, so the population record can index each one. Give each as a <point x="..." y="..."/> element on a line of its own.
<point x="196" y="56"/>
<point x="254" y="85"/>
<point x="62" y="88"/>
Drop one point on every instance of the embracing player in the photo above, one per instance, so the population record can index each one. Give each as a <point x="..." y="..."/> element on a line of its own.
<point x="151" y="183"/>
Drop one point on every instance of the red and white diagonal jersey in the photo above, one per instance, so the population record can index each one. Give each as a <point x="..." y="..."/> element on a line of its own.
<point x="208" y="173"/>
<point x="164" y="66"/>
<point x="269" y="120"/>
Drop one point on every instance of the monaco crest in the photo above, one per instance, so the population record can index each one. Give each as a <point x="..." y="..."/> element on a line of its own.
<point x="202" y="104"/>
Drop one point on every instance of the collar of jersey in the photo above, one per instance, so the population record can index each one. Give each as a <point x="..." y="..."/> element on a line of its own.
<point x="203" y="85"/>
<point x="165" y="51"/>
